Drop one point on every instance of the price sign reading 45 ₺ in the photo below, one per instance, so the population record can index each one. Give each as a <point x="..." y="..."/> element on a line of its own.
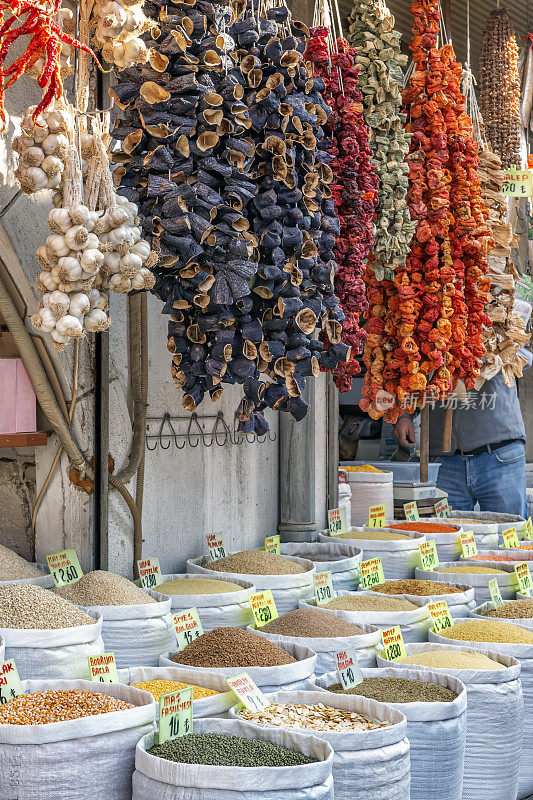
<point x="510" y="538"/>
<point x="175" y="714"/>
<point x="495" y="593"/>
<point x="187" y="626"/>
<point x="217" y="548"/>
<point x="10" y="685"/>
<point x="442" y="508"/>
<point x="371" y="573"/>
<point x="64" y="567"/>
<point x="393" y="643"/>
<point x="349" y="671"/>
<point x="103" y="668"/>
<point x="149" y="572"/>
<point x="263" y="607"/>
<point x="337" y="521"/>
<point x="428" y="555"/>
<point x="272" y="544"/>
<point x="376" y="516"/>
<point x="248" y="693"/>
<point x="440" y="615"/>
<point x="523" y="577"/>
<point x="323" y="587"/>
<point x="411" y="511"/>
<point x="517" y="182"/>
<point x="468" y="543"/>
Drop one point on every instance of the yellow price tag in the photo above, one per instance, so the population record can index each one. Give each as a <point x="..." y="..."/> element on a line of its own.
<point x="215" y="544"/>
<point x="64" y="567"/>
<point x="371" y="573"/>
<point x="272" y="544"/>
<point x="323" y="583"/>
<point x="349" y="671"/>
<point x="468" y="543"/>
<point x="442" y="508"/>
<point x="376" y="516"/>
<point x="337" y="521"/>
<point x="10" y="685"/>
<point x="523" y="577"/>
<point x="175" y="714"/>
<point x="149" y="572"/>
<point x="517" y="182"/>
<point x="510" y="538"/>
<point x="248" y="693"/>
<point x="187" y="627"/>
<point x="529" y="529"/>
<point x="411" y="511"/>
<point x="495" y="593"/>
<point x="393" y="643"/>
<point x="440" y="615"/>
<point x="263" y="607"/>
<point x="428" y="555"/>
<point x="103" y="668"/>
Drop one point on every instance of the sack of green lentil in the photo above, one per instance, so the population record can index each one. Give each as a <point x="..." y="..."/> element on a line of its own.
<point x="369" y="740"/>
<point x="211" y="696"/>
<point x="460" y="599"/>
<point x="495" y="706"/>
<point x="91" y="754"/>
<point x="340" y="558"/>
<point x="475" y="574"/>
<point x="229" y="605"/>
<point x="399" y="552"/>
<point x="509" y="640"/>
<point x="435" y="709"/>
<point x="357" y="607"/>
<point x="270" y="765"/>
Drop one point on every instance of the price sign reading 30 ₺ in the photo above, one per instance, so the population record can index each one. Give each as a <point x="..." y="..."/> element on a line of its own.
<point x="175" y="714"/>
<point x="187" y="626"/>
<point x="428" y="555"/>
<point x="376" y="516"/>
<point x="393" y="643"/>
<point x="510" y="538"/>
<point x="337" y="521"/>
<point x="64" y="567"/>
<point x="440" y="615"/>
<point x="103" y="668"/>
<point x="248" y="693"/>
<point x="10" y="685"/>
<point x="272" y="544"/>
<point x="263" y="607"/>
<point x="468" y="543"/>
<point x="350" y="674"/>
<point x="217" y="548"/>
<point x="495" y="593"/>
<point x="323" y="583"/>
<point x="523" y="577"/>
<point x="371" y="573"/>
<point x="149" y="572"/>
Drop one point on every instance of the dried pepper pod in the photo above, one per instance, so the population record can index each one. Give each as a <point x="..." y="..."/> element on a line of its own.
<point x="354" y="188"/>
<point x="381" y="78"/>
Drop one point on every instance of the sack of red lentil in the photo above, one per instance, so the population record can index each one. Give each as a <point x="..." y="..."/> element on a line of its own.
<point x="229" y="606"/>
<point x="459" y="603"/>
<point x="340" y="558"/>
<point x="399" y="556"/>
<point x="495" y="705"/>
<point x="505" y="576"/>
<point x="307" y="778"/>
<point x="444" y="534"/>
<point x="449" y="549"/>
<point x="368" y="762"/>
<point x="88" y="757"/>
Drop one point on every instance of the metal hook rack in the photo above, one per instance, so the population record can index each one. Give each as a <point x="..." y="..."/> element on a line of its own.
<point x="207" y="429"/>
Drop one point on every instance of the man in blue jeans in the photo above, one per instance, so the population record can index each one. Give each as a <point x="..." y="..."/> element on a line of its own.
<point x="487" y="459"/>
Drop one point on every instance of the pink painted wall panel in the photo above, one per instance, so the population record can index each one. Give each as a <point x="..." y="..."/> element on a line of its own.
<point x="17" y="398"/>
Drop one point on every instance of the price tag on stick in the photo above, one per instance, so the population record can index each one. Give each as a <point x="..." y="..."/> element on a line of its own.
<point x="523" y="577"/>
<point x="411" y="511"/>
<point x="377" y="516"/>
<point x="64" y="567"/>
<point x="217" y="548"/>
<point x="263" y="607"/>
<point x="442" y="508"/>
<point x="428" y="555"/>
<point x="371" y="573"/>
<point x="175" y="714"/>
<point x="393" y="643"/>
<point x="495" y="593"/>
<point x="510" y="538"/>
<point x="468" y="543"/>
<point x="248" y="693"/>
<point x="10" y="685"/>
<point x="440" y="615"/>
<point x="350" y="674"/>
<point x="187" y="626"/>
<point x="337" y="521"/>
<point x="529" y="529"/>
<point x="323" y="583"/>
<point x="272" y="544"/>
<point x="103" y="668"/>
<point x="149" y="572"/>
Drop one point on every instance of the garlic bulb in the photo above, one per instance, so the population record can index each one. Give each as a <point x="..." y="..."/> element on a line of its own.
<point x="69" y="326"/>
<point x="44" y="320"/>
<point x="59" y="220"/>
<point x="58" y="302"/>
<point x="60" y="340"/>
<point x="58" y="245"/>
<point x="42" y="149"/>
<point x="96" y="320"/>
<point x="76" y="237"/>
<point x="120" y="283"/>
<point x="118" y="26"/>
<point x="91" y="260"/>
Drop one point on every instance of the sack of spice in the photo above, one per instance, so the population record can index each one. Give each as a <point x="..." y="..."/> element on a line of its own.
<point x="495" y="704"/>
<point x="369" y="739"/>
<point x="270" y="765"/>
<point x="489" y="522"/>
<point x="435" y="707"/>
<point x="230" y="651"/>
<point x="444" y="534"/>
<point x="459" y="597"/>
<point x="219" y="602"/>
<point x="340" y="558"/>
<point x="290" y="579"/>
<point x="399" y="552"/>
<point x="90" y="754"/>
<point x="15" y="569"/>
<point x="325" y="634"/>
<point x="485" y="534"/>
<point x="476" y="574"/>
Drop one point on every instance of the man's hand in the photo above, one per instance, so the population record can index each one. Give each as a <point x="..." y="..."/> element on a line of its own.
<point x="404" y="432"/>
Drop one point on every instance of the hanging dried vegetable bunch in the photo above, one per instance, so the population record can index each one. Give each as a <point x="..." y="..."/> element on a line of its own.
<point x="119" y="26"/>
<point x="42" y="147"/>
<point x="354" y="188"/>
<point x="425" y="327"/>
<point x="377" y="43"/>
<point x="500" y="87"/>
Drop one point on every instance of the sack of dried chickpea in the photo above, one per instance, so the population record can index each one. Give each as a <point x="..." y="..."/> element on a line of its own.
<point x="371" y="751"/>
<point x="341" y="558"/>
<point x="399" y="551"/>
<point x="476" y="574"/>
<point x="89" y="754"/>
<point x="459" y="598"/>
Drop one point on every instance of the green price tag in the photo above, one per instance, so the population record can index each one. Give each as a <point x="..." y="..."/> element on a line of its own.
<point x="523" y="577"/>
<point x="263" y="607"/>
<point x="442" y="508"/>
<point x="323" y="583"/>
<point x="175" y="714"/>
<point x="103" y="668"/>
<point x="64" y="567"/>
<point x="337" y="521"/>
<point x="428" y="555"/>
<point x="393" y="643"/>
<point x="272" y="544"/>
<point x="377" y="516"/>
<point x="149" y="572"/>
<point x="510" y="538"/>
<point x="529" y="529"/>
<point x="468" y="543"/>
<point x="371" y="573"/>
<point x="248" y="693"/>
<point x="187" y="627"/>
<point x="10" y="685"/>
<point x="350" y="674"/>
<point x="440" y="615"/>
<point x="216" y="546"/>
<point x="411" y="511"/>
<point x="495" y="593"/>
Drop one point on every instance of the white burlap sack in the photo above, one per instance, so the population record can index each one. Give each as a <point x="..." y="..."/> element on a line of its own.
<point x="287" y="590"/>
<point x="459" y="603"/>
<point x="366" y="764"/>
<point x="414" y="624"/>
<point x="159" y="779"/>
<point x="326" y="648"/>
<point x="137" y="634"/>
<point x="477" y="580"/>
<point x="203" y="707"/>
<point x="370" y="489"/>
<point x="448" y="546"/>
<point x="488" y="522"/>
<point x="220" y="610"/>
<point x="2" y="649"/>
<point x="399" y="557"/>
<point x="45" y="580"/>
<point x="447" y="543"/>
<point x="77" y="760"/>
<point x="269" y="679"/>
<point x="59" y="653"/>
<point x="494" y="725"/>
<point x="480" y="612"/>
<point x="436" y="732"/>
<point x="524" y="654"/>
<point x="340" y="558"/>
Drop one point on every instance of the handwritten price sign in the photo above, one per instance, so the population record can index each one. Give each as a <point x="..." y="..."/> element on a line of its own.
<point x="440" y="615"/>
<point x="64" y="567"/>
<point x="149" y="572"/>
<point x="217" y="548"/>
<point x="187" y="626"/>
<point x="393" y="643"/>
<point x="349" y="671"/>
<point x="517" y="182"/>
<point x="263" y="607"/>
<point x="372" y="573"/>
<point x="428" y="555"/>
<point x="337" y="521"/>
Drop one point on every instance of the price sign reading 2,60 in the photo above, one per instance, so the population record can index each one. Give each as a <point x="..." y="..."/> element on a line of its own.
<point x="175" y="714"/>
<point x="64" y="567"/>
